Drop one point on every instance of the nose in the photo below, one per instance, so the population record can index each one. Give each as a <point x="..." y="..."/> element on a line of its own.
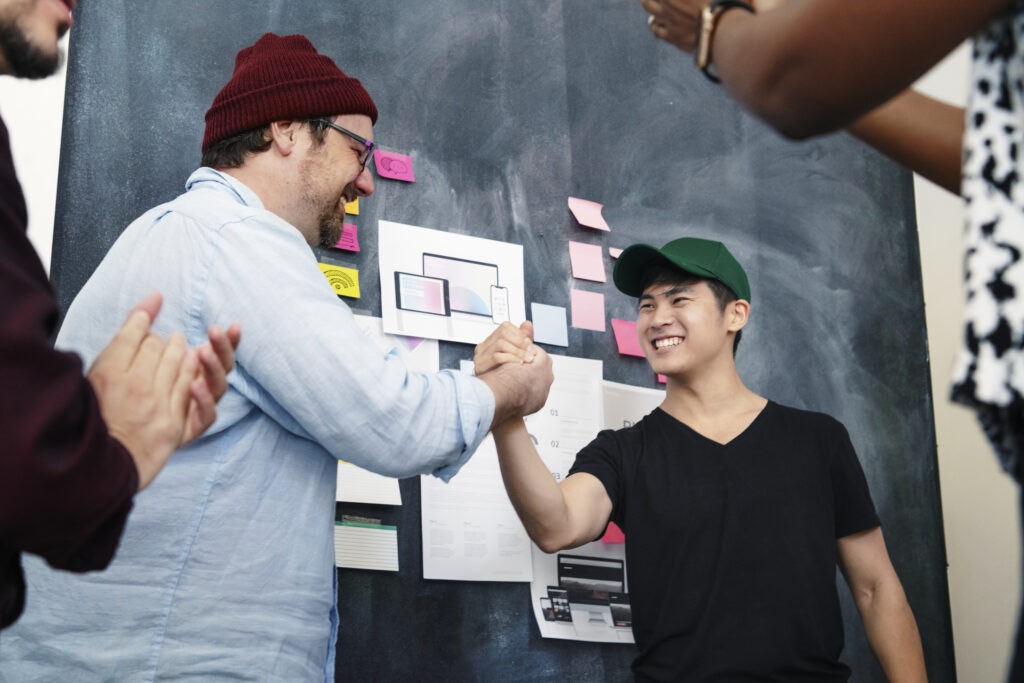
<point x="364" y="183"/>
<point x="662" y="315"/>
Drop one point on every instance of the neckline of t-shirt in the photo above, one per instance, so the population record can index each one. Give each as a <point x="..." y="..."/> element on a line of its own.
<point x="749" y="428"/>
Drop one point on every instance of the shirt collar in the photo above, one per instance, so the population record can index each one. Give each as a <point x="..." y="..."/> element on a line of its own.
<point x="206" y="174"/>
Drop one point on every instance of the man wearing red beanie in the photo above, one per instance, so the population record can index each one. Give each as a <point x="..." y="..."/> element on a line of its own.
<point x="77" y="449"/>
<point x="227" y="565"/>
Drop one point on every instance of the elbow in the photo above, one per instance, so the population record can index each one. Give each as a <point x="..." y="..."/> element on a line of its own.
<point x="548" y="543"/>
<point x="556" y="540"/>
<point x="794" y="127"/>
<point x="552" y="540"/>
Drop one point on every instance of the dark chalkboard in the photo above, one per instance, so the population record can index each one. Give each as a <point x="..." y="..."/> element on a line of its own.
<point x="508" y="108"/>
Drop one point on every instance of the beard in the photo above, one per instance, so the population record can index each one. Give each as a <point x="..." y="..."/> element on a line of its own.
<point x="331" y="225"/>
<point x="26" y="59"/>
<point x="329" y="229"/>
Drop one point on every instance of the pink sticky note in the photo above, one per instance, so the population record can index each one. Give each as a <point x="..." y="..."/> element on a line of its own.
<point x="586" y="261"/>
<point x="588" y="213"/>
<point x="613" y="534"/>
<point x="614" y="252"/>
<point x="588" y="310"/>
<point x="349" y="240"/>
<point x="663" y="379"/>
<point x="392" y="165"/>
<point x="625" y="338"/>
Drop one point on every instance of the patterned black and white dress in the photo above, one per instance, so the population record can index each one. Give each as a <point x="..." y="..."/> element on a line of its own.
<point x="989" y="370"/>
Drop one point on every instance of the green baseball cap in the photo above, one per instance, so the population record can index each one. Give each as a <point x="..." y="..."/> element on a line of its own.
<point x="704" y="258"/>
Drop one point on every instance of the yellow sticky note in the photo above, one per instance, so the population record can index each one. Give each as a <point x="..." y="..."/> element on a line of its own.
<point x="345" y="281"/>
<point x="353" y="207"/>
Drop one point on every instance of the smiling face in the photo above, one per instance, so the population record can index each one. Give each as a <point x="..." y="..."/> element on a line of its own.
<point x="683" y="328"/>
<point x="331" y="175"/>
<point x="29" y="31"/>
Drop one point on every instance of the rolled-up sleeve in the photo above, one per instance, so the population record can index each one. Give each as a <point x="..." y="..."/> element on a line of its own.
<point x="305" y="362"/>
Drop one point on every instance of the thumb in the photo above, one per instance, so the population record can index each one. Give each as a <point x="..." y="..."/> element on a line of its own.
<point x="527" y="327"/>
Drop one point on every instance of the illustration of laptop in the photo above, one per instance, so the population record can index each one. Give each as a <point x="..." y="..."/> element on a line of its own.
<point x="589" y="581"/>
<point x="469" y="282"/>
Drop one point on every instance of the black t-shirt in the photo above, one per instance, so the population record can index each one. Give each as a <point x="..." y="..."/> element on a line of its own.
<point x="731" y="549"/>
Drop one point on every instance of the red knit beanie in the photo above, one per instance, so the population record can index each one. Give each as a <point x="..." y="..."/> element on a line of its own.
<point x="280" y="78"/>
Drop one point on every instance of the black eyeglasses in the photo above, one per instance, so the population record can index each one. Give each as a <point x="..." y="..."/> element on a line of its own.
<point x="361" y="140"/>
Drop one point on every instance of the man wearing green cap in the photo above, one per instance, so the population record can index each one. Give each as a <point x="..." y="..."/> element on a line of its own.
<point x="735" y="509"/>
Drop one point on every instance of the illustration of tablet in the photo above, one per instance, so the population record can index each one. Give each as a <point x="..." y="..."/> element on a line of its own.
<point x="469" y="282"/>
<point x="422" y="294"/>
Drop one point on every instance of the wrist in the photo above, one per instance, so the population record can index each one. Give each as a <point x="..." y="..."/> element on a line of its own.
<point x="506" y="429"/>
<point x="508" y="402"/>
<point x="708" y="28"/>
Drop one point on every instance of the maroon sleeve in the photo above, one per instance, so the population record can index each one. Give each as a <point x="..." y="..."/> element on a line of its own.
<point x="66" y="485"/>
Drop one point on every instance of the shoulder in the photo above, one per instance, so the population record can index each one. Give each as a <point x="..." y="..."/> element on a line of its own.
<point x="807" y="420"/>
<point x="214" y="201"/>
<point x="211" y="209"/>
<point x="627" y="441"/>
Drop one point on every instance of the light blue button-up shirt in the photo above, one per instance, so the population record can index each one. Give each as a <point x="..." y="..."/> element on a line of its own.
<point x="226" y="567"/>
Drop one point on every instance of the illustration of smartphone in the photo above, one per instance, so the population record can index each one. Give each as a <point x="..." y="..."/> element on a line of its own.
<point x="546" y="609"/>
<point x="499" y="304"/>
<point x="560" y="603"/>
<point x="622" y="612"/>
<point x="422" y="294"/>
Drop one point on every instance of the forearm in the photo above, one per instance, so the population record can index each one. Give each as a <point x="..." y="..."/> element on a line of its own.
<point x="892" y="632"/>
<point x="813" y="67"/>
<point x="66" y="485"/>
<point x="509" y="399"/>
<point x="534" y="492"/>
<point x="919" y="132"/>
<point x="413" y="423"/>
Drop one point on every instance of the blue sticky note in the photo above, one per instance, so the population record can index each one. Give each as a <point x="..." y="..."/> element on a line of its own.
<point x="549" y="325"/>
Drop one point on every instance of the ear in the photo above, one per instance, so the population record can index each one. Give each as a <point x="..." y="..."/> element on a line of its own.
<point x="284" y="136"/>
<point x="737" y="313"/>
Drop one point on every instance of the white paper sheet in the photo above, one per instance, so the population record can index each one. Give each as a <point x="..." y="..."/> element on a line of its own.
<point x="623" y="406"/>
<point x="470" y="530"/>
<point x="366" y="546"/>
<point x="590" y="622"/>
<point x="483" y="283"/>
<point x="356" y="485"/>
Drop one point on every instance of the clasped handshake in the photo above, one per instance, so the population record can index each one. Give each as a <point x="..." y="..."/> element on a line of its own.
<point x="517" y="371"/>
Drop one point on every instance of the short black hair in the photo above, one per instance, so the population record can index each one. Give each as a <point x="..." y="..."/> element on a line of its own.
<point x="661" y="272"/>
<point x="231" y="151"/>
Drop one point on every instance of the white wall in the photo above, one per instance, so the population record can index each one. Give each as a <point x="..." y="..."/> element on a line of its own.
<point x="33" y="112"/>
<point x="979" y="502"/>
